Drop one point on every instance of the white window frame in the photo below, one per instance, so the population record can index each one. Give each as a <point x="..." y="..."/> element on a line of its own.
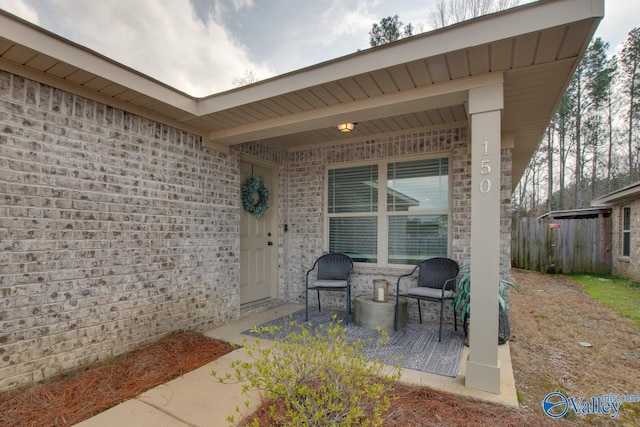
<point x="382" y="214"/>
<point x="625" y="231"/>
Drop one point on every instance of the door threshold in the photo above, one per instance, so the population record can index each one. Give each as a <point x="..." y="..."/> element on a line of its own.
<point x="254" y="307"/>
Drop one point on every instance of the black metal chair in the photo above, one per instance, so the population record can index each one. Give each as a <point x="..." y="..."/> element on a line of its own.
<point x="334" y="274"/>
<point x="437" y="280"/>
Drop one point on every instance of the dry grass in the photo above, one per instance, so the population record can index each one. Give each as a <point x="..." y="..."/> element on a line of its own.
<point x="550" y="317"/>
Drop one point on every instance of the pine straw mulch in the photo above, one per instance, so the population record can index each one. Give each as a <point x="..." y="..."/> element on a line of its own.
<point x="72" y="399"/>
<point x="77" y="397"/>
<point x="415" y="406"/>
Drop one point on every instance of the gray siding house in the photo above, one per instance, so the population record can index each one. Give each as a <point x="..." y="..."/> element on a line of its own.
<point x="121" y="217"/>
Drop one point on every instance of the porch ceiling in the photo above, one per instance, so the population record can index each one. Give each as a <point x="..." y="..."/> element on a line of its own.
<point x="411" y="85"/>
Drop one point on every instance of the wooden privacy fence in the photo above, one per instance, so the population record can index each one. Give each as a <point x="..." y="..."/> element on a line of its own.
<point x="565" y="246"/>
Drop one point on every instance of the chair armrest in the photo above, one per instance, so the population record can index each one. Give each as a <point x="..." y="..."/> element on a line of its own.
<point x="309" y="271"/>
<point x="405" y="275"/>
<point x="349" y="274"/>
<point x="444" y="286"/>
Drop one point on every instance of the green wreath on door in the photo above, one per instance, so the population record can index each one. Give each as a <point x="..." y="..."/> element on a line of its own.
<point x="253" y="185"/>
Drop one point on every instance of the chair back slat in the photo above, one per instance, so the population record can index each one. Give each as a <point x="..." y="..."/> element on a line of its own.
<point x="334" y="267"/>
<point x="435" y="271"/>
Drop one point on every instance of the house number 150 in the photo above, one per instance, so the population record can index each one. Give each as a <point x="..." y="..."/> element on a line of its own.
<point x="485" y="169"/>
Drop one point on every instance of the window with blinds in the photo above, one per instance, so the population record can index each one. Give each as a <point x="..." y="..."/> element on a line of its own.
<point x="353" y="189"/>
<point x="353" y="196"/>
<point x="401" y="219"/>
<point x="417" y="187"/>
<point x="356" y="237"/>
<point x="626" y="231"/>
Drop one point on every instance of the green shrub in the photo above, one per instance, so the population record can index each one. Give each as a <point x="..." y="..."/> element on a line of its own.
<point x="320" y="378"/>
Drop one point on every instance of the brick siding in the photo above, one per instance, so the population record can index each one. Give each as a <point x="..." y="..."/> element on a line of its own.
<point x="628" y="267"/>
<point x="114" y="231"/>
<point x="302" y="195"/>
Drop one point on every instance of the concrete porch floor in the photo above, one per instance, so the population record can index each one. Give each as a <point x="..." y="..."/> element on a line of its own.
<point x="197" y="399"/>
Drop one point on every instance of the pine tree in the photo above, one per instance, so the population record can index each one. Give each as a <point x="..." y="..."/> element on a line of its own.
<point x="389" y="30"/>
<point x="630" y="67"/>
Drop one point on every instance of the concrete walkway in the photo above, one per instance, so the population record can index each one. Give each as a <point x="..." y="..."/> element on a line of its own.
<point x="197" y="399"/>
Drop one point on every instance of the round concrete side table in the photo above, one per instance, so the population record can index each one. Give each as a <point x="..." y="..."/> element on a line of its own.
<point x="371" y="314"/>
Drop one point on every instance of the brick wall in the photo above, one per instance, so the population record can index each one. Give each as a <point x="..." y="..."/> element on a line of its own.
<point x="628" y="267"/>
<point x="114" y="230"/>
<point x="505" y="218"/>
<point x="305" y="200"/>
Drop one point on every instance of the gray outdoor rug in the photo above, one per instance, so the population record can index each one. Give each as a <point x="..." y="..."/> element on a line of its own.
<point x="415" y="346"/>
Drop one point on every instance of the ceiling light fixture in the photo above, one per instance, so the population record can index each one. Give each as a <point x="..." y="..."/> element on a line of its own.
<point x="346" y="127"/>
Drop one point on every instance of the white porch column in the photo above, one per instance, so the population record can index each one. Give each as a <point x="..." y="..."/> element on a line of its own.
<point x="485" y="109"/>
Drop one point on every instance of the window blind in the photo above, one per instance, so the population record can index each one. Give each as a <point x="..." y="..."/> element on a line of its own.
<point x="355" y="236"/>
<point x="413" y="219"/>
<point x="418" y="185"/>
<point x="353" y="189"/>
<point x="415" y="238"/>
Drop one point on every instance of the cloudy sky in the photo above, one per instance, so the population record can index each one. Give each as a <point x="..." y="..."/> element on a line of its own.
<point x="200" y="46"/>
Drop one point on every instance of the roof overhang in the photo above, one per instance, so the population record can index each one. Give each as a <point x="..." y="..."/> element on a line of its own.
<point x="414" y="85"/>
<point x="618" y="197"/>
<point x="577" y="213"/>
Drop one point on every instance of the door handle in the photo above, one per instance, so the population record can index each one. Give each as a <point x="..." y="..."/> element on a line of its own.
<point x="269" y="243"/>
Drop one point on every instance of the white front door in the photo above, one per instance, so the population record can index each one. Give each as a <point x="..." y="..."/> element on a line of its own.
<point x="258" y="244"/>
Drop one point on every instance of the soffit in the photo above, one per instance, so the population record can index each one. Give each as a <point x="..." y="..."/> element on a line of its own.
<point x="300" y="109"/>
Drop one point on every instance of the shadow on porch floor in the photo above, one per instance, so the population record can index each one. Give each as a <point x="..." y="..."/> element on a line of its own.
<point x="232" y="332"/>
